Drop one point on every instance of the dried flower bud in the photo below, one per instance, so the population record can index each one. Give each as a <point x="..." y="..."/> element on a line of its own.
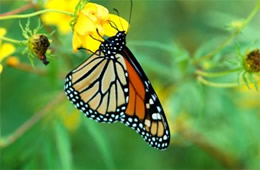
<point x="252" y="61"/>
<point x="39" y="44"/>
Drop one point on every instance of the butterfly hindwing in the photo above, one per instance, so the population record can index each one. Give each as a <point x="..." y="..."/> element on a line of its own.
<point x="144" y="112"/>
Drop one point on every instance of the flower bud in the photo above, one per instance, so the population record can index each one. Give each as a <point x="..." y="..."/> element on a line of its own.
<point x="236" y="25"/>
<point x="252" y="61"/>
<point x="39" y="44"/>
<point x="12" y="61"/>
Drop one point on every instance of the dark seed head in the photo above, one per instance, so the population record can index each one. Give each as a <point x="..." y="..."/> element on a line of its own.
<point x="252" y="61"/>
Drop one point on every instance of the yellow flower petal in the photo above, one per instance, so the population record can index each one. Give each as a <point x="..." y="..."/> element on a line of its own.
<point x="90" y="11"/>
<point x="102" y="13"/>
<point x="1" y="68"/>
<point x="5" y="50"/>
<point x="60" y="20"/>
<point x="64" y="27"/>
<point x="2" y="31"/>
<point x="84" y="25"/>
<point x="76" y="42"/>
<point x="90" y="43"/>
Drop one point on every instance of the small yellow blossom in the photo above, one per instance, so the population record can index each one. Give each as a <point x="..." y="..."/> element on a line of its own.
<point x="250" y="97"/>
<point x="236" y="25"/>
<point x="71" y="120"/>
<point x="93" y="22"/>
<point x="207" y="65"/>
<point x="12" y="61"/>
<point x="69" y="117"/>
<point x="62" y="21"/>
<point x="6" y="49"/>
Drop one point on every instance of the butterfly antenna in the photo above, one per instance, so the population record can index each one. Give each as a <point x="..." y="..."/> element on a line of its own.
<point x="100" y="35"/>
<point x="82" y="48"/>
<point x="95" y="38"/>
<point x="113" y="25"/>
<point x="130" y="15"/>
<point x="117" y="12"/>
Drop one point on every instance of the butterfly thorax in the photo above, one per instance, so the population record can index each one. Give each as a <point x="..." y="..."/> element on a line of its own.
<point x="113" y="45"/>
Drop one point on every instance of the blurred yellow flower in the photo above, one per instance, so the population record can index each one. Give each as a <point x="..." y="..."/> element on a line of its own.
<point x="250" y="97"/>
<point x="69" y="117"/>
<point x="93" y="22"/>
<point x="181" y="122"/>
<point x="12" y="61"/>
<point x="236" y="25"/>
<point x="71" y="120"/>
<point x="62" y="21"/>
<point x="6" y="49"/>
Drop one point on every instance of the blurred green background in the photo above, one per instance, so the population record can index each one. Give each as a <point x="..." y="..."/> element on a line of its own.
<point x="212" y="128"/>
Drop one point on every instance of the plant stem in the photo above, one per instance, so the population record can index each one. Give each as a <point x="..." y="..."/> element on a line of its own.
<point x="18" y="10"/>
<point x="217" y="74"/>
<point x="4" y="142"/>
<point x="13" y="40"/>
<point x="35" y="14"/>
<point x="224" y="157"/>
<point x="218" y="85"/>
<point x="232" y="36"/>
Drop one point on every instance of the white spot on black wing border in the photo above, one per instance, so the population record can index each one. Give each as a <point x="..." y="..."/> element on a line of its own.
<point x="133" y="122"/>
<point x="75" y="98"/>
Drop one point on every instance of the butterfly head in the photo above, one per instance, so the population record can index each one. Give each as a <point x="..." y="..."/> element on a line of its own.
<point x="114" y="44"/>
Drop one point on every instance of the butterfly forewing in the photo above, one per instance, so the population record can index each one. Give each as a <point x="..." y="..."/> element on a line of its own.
<point x="96" y="87"/>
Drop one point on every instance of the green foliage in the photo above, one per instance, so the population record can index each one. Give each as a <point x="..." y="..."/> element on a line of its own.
<point x="63" y="146"/>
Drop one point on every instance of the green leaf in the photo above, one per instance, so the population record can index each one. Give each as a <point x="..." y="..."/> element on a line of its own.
<point x="49" y="155"/>
<point x="63" y="146"/>
<point x="252" y="79"/>
<point x="100" y="142"/>
<point x="53" y="69"/>
<point x="245" y="79"/>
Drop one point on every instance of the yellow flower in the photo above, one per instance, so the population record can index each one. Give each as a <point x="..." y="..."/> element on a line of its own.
<point x="70" y="118"/>
<point x="12" y="61"/>
<point x="236" y="25"/>
<point x="62" y="21"/>
<point x="250" y="97"/>
<point x="6" y="49"/>
<point x="93" y="22"/>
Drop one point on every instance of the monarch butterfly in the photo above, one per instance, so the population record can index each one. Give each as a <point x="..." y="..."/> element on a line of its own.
<point x="111" y="86"/>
